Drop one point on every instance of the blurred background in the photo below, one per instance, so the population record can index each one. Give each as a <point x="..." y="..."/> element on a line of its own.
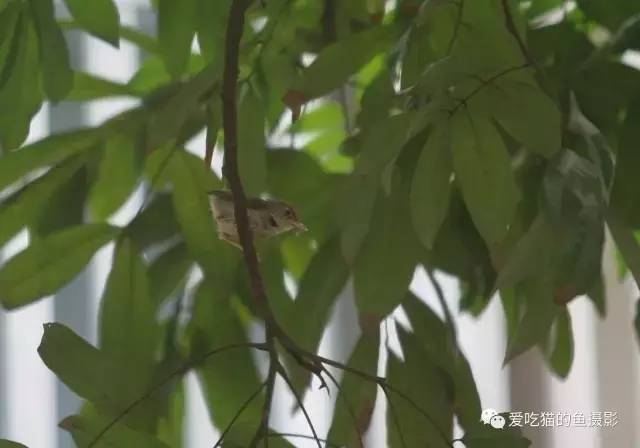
<point x="605" y="376"/>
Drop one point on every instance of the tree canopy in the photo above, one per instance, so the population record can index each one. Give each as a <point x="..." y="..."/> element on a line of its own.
<point x="493" y="140"/>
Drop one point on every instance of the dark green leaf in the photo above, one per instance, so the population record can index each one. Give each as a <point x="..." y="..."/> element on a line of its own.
<point x="431" y="188"/>
<point x="211" y="23"/>
<point x="485" y="436"/>
<point x="561" y="345"/>
<point x="155" y="224"/>
<point x="118" y="175"/>
<point x="529" y="115"/>
<point x="176" y="27"/>
<point x="50" y="263"/>
<point x="98" y="17"/>
<point x="483" y="173"/>
<point x="54" y="56"/>
<point x="626" y="243"/>
<point x="168" y="272"/>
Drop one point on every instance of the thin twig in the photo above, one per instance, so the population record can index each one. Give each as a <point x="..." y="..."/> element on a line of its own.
<point x="342" y="395"/>
<point x="303" y="436"/>
<point x="510" y="23"/>
<point x="394" y="415"/>
<point x="263" y="429"/>
<point x="286" y="379"/>
<point x="456" y="30"/>
<point x="183" y="369"/>
<point x="237" y="415"/>
<point x="484" y="83"/>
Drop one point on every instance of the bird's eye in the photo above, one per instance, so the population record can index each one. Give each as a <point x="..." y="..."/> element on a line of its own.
<point x="289" y="213"/>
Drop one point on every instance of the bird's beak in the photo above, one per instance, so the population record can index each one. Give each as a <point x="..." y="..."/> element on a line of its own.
<point x="300" y="227"/>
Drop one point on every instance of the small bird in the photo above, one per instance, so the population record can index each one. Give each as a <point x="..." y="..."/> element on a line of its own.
<point x="267" y="217"/>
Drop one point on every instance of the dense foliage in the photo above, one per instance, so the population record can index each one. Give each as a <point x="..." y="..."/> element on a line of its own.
<point x="494" y="140"/>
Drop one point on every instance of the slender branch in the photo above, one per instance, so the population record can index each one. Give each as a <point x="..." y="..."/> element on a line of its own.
<point x="394" y="415"/>
<point x="237" y="415"/>
<point x="484" y="83"/>
<point x="456" y="30"/>
<point x="303" y="436"/>
<point x="513" y="30"/>
<point x="285" y="377"/>
<point x="342" y="395"/>
<point x="183" y="369"/>
<point x="448" y="317"/>
<point x="263" y="429"/>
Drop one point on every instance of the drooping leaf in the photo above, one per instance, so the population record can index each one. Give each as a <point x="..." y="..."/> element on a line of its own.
<point x="168" y="271"/>
<point x="88" y="87"/>
<point x="54" y="56"/>
<point x="385" y="265"/>
<point x="431" y="188"/>
<point x="176" y="27"/>
<point x="486" y="436"/>
<point x="118" y="175"/>
<point x="155" y="224"/>
<point x="561" y="345"/>
<point x="211" y="19"/>
<point x="98" y="17"/>
<point x="50" y="263"/>
<point x="128" y="327"/>
<point x="483" y="173"/>
<point x="20" y="94"/>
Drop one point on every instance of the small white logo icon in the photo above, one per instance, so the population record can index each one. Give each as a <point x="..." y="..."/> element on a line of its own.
<point x="491" y="417"/>
<point x="498" y="421"/>
<point x="487" y="414"/>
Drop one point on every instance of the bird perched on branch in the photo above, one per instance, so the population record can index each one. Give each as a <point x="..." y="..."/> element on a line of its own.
<point x="267" y="217"/>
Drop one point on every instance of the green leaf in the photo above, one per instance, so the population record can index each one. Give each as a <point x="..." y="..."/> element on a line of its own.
<point x="44" y="152"/>
<point x="356" y="397"/>
<point x="561" y="345"/>
<point x="9" y="444"/>
<point x="483" y="173"/>
<point x="336" y="63"/>
<point x="425" y="384"/>
<point x="529" y="115"/>
<point x="191" y="182"/>
<point x="86" y="427"/>
<point x="54" y="56"/>
<point x="385" y="265"/>
<point x="211" y="21"/>
<point x="626" y="243"/>
<point x="24" y="206"/>
<point x="168" y="272"/>
<point x="155" y="224"/>
<point x="118" y="174"/>
<point x="98" y="17"/>
<point x="431" y="188"/>
<point x="20" y="95"/>
<point x="87" y="87"/>
<point x="176" y="27"/>
<point x="252" y="157"/>
<point x="383" y="142"/>
<point x="79" y="365"/>
<point x="436" y="341"/>
<point x="129" y="332"/>
<point x="50" y="263"/>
